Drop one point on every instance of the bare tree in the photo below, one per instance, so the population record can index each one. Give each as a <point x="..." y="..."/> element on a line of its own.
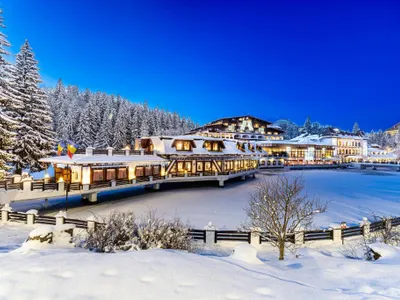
<point x="278" y="207"/>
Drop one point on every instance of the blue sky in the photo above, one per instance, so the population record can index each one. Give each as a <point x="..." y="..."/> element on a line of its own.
<point x="335" y="61"/>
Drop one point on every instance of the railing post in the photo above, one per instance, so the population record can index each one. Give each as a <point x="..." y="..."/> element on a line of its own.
<point x="210" y="234"/>
<point x="337" y="235"/>
<point x="365" y="227"/>
<point x="113" y="183"/>
<point x="61" y="186"/>
<point x="110" y="151"/>
<point x="60" y="217"/>
<point x="141" y="152"/>
<point x="299" y="238"/>
<point x="388" y="224"/>
<point x="26" y="184"/>
<point x="89" y="151"/>
<point x="30" y="217"/>
<point x="4" y="213"/>
<point x="150" y="178"/>
<point x="91" y="223"/>
<point x="255" y="237"/>
<point x="127" y="151"/>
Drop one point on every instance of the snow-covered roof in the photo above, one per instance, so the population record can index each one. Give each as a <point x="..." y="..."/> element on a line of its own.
<point x="81" y="159"/>
<point x="164" y="145"/>
<point x="309" y="140"/>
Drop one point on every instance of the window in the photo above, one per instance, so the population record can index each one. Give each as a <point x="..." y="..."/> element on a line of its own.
<point x="156" y="170"/>
<point x="215" y="147"/>
<point x="122" y="174"/>
<point x="98" y="175"/>
<point x="199" y="166"/>
<point x="207" y="166"/>
<point x="148" y="171"/>
<point x="110" y="174"/>
<point x="139" y="172"/>
<point x="183" y="146"/>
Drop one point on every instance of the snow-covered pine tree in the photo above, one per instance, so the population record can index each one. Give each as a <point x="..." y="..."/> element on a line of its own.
<point x="35" y="137"/>
<point x="84" y="137"/>
<point x="356" y="128"/>
<point x="104" y="135"/>
<point x="120" y="137"/>
<point x="10" y="102"/>
<point x="134" y="125"/>
<point x="144" y="127"/>
<point x="307" y="127"/>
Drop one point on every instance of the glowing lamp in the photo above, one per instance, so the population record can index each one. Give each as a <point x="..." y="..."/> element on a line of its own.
<point x="61" y="179"/>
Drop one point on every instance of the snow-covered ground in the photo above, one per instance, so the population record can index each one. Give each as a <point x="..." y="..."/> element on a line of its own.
<point x="166" y="274"/>
<point x="353" y="194"/>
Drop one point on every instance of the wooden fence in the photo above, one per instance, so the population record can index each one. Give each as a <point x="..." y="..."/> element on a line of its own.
<point x="214" y="236"/>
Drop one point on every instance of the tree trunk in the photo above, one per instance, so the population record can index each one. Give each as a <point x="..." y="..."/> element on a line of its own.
<point x="281" y="250"/>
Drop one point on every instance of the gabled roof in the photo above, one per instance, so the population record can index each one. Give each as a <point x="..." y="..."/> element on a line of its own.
<point x="236" y="119"/>
<point x="330" y="132"/>
<point x="394" y="127"/>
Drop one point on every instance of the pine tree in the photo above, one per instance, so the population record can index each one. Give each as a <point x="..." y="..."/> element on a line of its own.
<point x="84" y="138"/>
<point x="356" y="128"/>
<point x="104" y="135"/>
<point x="10" y="101"/>
<point x="307" y="127"/>
<point x="121" y="126"/>
<point x="35" y="138"/>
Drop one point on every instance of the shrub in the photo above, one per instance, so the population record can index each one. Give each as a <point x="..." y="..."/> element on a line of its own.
<point x="122" y="231"/>
<point x="115" y="234"/>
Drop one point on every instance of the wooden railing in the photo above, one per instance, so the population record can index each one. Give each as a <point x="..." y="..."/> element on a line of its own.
<point x="222" y="235"/>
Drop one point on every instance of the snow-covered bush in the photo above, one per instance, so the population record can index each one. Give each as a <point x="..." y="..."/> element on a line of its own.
<point x="122" y="231"/>
<point x="156" y="232"/>
<point x="360" y="250"/>
<point x="115" y="234"/>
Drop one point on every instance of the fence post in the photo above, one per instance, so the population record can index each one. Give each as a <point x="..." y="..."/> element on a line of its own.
<point x="365" y="227"/>
<point x="27" y="184"/>
<point x="4" y="213"/>
<point x="255" y="237"/>
<point x="91" y="223"/>
<point x="60" y="217"/>
<point x="110" y="151"/>
<point x="113" y="183"/>
<point x="30" y="218"/>
<point x="210" y="234"/>
<point x="337" y="235"/>
<point x="61" y="186"/>
<point x="299" y="238"/>
<point x="388" y="224"/>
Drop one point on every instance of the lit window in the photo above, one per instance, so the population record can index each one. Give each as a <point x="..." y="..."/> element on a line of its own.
<point x="98" y="175"/>
<point x="122" y="173"/>
<point x="110" y="174"/>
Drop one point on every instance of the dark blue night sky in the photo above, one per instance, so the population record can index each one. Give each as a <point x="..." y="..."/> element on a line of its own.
<point x="335" y="61"/>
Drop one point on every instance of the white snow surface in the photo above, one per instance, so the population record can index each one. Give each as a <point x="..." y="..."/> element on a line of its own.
<point x="62" y="273"/>
<point x="352" y="195"/>
<point x="246" y="253"/>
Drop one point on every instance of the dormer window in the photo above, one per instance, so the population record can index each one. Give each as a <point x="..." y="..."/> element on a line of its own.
<point x="215" y="146"/>
<point x="182" y="145"/>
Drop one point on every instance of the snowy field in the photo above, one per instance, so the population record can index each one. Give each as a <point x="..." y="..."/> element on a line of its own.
<point x="73" y="273"/>
<point x="352" y="194"/>
<point x="320" y="272"/>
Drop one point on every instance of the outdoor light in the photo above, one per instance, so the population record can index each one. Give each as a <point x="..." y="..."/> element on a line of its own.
<point x="61" y="179"/>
